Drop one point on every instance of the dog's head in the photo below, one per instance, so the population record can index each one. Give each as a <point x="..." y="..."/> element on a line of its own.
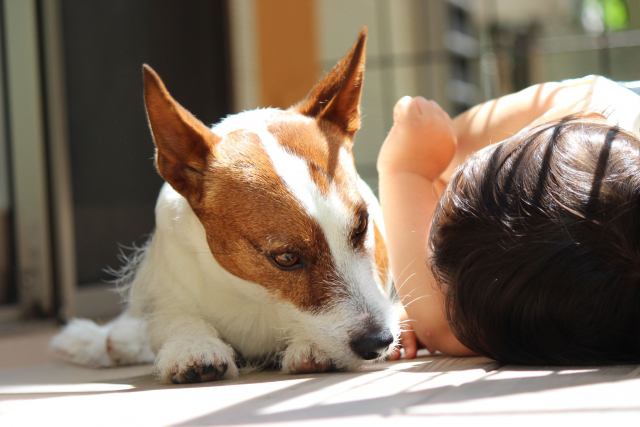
<point x="283" y="206"/>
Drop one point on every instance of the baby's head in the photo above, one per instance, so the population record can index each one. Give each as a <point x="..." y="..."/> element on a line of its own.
<point x="536" y="244"/>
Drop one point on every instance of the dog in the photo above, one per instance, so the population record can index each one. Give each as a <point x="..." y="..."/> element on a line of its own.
<point x="268" y="249"/>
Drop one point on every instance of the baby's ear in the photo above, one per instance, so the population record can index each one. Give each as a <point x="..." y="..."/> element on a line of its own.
<point x="184" y="145"/>
<point x="336" y="98"/>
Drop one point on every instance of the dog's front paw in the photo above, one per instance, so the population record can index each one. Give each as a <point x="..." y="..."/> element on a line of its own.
<point x="305" y="359"/>
<point x="183" y="361"/>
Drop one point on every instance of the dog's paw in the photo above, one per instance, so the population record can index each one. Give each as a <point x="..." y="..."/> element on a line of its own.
<point x="83" y="342"/>
<point x="181" y="361"/>
<point x="127" y="342"/>
<point x="305" y="359"/>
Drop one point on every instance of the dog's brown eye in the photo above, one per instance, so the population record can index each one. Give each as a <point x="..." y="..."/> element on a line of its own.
<point x="361" y="228"/>
<point x="287" y="260"/>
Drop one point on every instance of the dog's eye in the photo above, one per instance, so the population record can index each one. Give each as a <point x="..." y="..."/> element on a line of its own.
<point x="360" y="229"/>
<point x="287" y="260"/>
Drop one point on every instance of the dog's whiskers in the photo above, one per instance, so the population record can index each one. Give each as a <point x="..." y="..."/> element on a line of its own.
<point x="407" y="296"/>
<point x="406" y="267"/>
<point x="415" y="300"/>
<point x="405" y="281"/>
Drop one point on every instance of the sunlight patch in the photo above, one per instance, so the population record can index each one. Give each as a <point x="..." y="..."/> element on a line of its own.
<point x="63" y="388"/>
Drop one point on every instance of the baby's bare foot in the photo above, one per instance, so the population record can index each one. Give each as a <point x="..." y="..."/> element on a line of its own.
<point x="422" y="139"/>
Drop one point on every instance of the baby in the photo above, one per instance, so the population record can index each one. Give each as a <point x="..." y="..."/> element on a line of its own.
<point x="525" y="250"/>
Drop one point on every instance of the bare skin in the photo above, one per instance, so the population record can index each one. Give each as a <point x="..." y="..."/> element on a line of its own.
<point x="420" y="153"/>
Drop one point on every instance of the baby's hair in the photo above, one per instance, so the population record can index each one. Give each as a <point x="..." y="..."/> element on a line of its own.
<point x="536" y="245"/>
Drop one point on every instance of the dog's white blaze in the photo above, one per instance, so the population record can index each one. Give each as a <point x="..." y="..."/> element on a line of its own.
<point x="335" y="221"/>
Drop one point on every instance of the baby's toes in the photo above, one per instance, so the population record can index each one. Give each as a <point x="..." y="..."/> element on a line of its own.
<point x="401" y="108"/>
<point x="412" y="111"/>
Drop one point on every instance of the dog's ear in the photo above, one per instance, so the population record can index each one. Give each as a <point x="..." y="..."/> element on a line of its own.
<point x="336" y="98"/>
<point x="184" y="145"/>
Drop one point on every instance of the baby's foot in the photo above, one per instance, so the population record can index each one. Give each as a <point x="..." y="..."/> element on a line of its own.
<point x="422" y="139"/>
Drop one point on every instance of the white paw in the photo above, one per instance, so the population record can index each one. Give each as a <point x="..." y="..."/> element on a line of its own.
<point x="305" y="358"/>
<point x="127" y="343"/>
<point x="83" y="342"/>
<point x="195" y="360"/>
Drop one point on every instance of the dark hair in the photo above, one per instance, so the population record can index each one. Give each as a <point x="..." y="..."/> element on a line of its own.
<point x="536" y="245"/>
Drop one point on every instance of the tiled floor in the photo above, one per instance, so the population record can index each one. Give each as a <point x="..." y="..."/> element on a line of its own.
<point x="37" y="390"/>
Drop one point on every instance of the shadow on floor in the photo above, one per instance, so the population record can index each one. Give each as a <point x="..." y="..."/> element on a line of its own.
<point x="255" y="411"/>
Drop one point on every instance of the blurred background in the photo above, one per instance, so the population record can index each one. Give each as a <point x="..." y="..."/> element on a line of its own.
<point x="76" y="171"/>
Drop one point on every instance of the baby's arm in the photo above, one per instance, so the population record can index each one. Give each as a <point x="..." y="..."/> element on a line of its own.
<point x="417" y="150"/>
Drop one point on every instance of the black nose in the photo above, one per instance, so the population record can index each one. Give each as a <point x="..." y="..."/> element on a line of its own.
<point x="370" y="344"/>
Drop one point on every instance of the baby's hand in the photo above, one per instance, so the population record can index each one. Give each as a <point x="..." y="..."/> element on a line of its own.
<point x="428" y="328"/>
<point x="422" y="139"/>
<point x="408" y="340"/>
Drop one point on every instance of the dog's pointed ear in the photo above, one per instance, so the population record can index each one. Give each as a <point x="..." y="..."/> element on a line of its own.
<point x="336" y="98"/>
<point x="184" y="145"/>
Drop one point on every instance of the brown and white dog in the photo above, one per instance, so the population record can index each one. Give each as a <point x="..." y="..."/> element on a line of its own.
<point x="268" y="246"/>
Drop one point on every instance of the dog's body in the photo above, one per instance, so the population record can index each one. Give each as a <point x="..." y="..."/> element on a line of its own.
<point x="298" y="275"/>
